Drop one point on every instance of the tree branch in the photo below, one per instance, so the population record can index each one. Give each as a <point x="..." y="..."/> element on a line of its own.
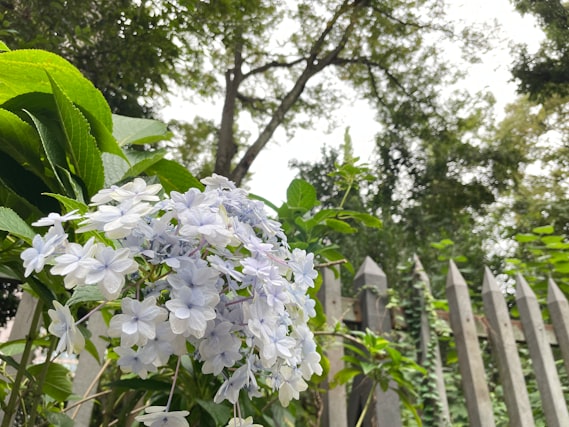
<point x="272" y="64"/>
<point x="313" y="66"/>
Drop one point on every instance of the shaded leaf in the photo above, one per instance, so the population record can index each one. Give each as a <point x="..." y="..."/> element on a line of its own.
<point x="57" y="383"/>
<point x="129" y="130"/>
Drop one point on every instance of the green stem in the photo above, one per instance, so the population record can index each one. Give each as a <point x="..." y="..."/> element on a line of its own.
<point x="366" y="407"/>
<point x="39" y="384"/>
<point x="346" y="195"/>
<point x="13" y="404"/>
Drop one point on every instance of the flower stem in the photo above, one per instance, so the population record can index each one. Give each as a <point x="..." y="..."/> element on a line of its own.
<point x="366" y="406"/>
<point x="174" y="379"/>
<point x="91" y="312"/>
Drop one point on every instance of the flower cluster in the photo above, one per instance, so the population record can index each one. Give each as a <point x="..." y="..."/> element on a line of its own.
<point x="201" y="272"/>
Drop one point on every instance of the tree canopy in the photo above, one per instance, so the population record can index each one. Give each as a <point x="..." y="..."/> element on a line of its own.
<point x="270" y="64"/>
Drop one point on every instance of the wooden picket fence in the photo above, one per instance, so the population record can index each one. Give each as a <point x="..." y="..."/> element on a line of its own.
<point x="370" y="310"/>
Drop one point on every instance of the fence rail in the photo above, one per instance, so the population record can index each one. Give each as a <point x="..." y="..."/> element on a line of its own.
<point x="504" y="334"/>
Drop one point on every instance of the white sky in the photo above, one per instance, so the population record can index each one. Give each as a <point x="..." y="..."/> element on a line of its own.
<point x="271" y="174"/>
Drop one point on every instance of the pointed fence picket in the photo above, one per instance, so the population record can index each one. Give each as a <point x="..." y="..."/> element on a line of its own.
<point x="504" y="335"/>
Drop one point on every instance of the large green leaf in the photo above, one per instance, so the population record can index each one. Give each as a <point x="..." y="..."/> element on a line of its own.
<point x="129" y="130"/>
<point x="11" y="222"/>
<point x="51" y="137"/>
<point x="57" y="383"/>
<point x="23" y="71"/>
<point x="69" y="204"/>
<point x="84" y="154"/>
<point x="301" y="195"/>
<point x="173" y="176"/>
<point x="20" y="141"/>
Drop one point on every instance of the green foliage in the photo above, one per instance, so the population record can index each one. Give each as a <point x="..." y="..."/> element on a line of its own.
<point x="127" y="49"/>
<point x="379" y="360"/>
<point x="544" y="73"/>
<point x="57" y="137"/>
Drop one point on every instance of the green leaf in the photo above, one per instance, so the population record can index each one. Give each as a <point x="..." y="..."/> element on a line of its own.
<point x="103" y="135"/>
<point x="340" y="226"/>
<point x="59" y="419"/>
<point x="23" y="71"/>
<point x="546" y="229"/>
<point x="548" y="240"/>
<point x="173" y="176"/>
<point x="82" y="148"/>
<point x="525" y="238"/>
<point x="129" y="131"/>
<point x="11" y="222"/>
<point x="219" y="413"/>
<point x="4" y="47"/>
<point x="20" y="141"/>
<point x="87" y="293"/>
<point x="51" y="137"/>
<point x="68" y="203"/>
<point x="362" y="217"/>
<point x="115" y="168"/>
<point x="141" y="160"/>
<point x="301" y="195"/>
<point x="345" y="375"/>
<point x="57" y="383"/>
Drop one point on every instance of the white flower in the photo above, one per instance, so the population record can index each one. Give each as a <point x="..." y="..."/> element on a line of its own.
<point x="139" y="361"/>
<point x="156" y="416"/>
<point x="137" y="323"/>
<point x="302" y="266"/>
<point x="35" y="257"/>
<point x="56" y="220"/>
<point x="116" y="221"/>
<point x="242" y="422"/>
<point x="291" y="384"/>
<point x="108" y="269"/>
<point x="63" y="326"/>
<point x="74" y="262"/>
<point x="191" y="309"/>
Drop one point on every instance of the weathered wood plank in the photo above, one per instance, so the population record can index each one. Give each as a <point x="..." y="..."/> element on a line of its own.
<point x="86" y="378"/>
<point x="470" y="362"/>
<point x="506" y="353"/>
<point x="552" y="398"/>
<point x="371" y="282"/>
<point x="559" y="315"/>
<point x="334" y="400"/>
<point x="419" y="274"/>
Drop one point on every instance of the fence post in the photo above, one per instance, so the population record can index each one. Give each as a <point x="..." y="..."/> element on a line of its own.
<point x="334" y="400"/>
<point x="504" y="347"/>
<point x="552" y="398"/>
<point x="559" y="315"/>
<point x="420" y="275"/>
<point x="87" y="374"/>
<point x="370" y="281"/>
<point x="470" y="362"/>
